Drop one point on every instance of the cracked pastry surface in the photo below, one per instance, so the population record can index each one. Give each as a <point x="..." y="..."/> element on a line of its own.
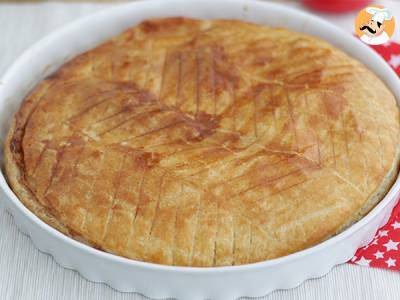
<point x="205" y="143"/>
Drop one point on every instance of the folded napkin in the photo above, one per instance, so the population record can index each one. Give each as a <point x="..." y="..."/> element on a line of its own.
<point x="384" y="250"/>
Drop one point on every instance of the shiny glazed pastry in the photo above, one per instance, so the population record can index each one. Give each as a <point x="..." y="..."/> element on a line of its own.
<point x="205" y="143"/>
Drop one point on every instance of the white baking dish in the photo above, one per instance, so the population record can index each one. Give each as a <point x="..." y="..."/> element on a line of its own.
<point x="181" y="282"/>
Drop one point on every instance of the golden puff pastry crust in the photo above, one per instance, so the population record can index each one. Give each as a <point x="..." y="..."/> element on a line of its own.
<point x="205" y="143"/>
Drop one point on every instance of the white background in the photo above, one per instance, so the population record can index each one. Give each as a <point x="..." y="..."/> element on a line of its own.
<point x="26" y="273"/>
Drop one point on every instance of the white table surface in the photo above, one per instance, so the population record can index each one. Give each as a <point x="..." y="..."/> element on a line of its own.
<point x="26" y="273"/>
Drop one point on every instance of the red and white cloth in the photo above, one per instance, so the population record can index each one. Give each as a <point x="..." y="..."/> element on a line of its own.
<point x="384" y="250"/>
<point x="391" y="53"/>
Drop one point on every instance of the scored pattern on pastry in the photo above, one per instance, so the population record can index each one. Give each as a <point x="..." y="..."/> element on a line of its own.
<point x="209" y="143"/>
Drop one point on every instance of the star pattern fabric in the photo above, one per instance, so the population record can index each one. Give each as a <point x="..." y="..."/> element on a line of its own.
<point x="391" y="53"/>
<point x="395" y="60"/>
<point x="384" y="250"/>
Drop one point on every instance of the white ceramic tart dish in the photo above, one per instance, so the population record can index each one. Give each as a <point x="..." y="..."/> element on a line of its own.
<point x="159" y="281"/>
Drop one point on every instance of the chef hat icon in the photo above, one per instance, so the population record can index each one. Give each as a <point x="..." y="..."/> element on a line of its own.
<point x="379" y="14"/>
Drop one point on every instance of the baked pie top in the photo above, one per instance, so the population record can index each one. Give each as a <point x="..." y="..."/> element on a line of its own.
<point x="205" y="143"/>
